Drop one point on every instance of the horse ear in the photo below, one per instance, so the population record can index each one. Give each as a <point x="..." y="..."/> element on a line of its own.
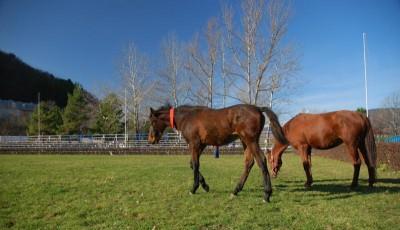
<point x="151" y="111"/>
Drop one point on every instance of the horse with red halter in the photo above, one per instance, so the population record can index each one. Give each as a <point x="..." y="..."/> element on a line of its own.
<point x="202" y="126"/>
<point x="325" y="131"/>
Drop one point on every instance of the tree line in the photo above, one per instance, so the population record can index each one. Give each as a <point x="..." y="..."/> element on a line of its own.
<point x="80" y="116"/>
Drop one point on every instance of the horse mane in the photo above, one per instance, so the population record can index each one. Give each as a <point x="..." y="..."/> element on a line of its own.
<point x="164" y="107"/>
<point x="192" y="107"/>
<point x="167" y="106"/>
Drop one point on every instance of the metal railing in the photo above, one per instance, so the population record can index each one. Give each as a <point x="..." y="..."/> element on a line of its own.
<point x="169" y="143"/>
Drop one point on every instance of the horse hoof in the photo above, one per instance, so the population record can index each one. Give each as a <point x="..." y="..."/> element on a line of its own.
<point x="353" y="186"/>
<point x="232" y="196"/>
<point x="266" y="200"/>
<point x="307" y="186"/>
<point x="190" y="193"/>
<point x="371" y="185"/>
<point x="206" y="188"/>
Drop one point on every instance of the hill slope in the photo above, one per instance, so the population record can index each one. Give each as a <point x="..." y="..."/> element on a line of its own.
<point x="21" y="82"/>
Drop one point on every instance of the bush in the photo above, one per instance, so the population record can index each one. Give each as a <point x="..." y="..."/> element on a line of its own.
<point x="388" y="154"/>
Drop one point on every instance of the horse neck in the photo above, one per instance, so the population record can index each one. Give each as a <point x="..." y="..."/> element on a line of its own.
<point x="278" y="149"/>
<point x="164" y="117"/>
<point x="179" y="116"/>
<point x="182" y="113"/>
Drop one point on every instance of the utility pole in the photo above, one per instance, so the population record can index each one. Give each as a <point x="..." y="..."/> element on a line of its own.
<point x="365" y="74"/>
<point x="40" y="145"/>
<point x="39" y="115"/>
<point x="125" y="119"/>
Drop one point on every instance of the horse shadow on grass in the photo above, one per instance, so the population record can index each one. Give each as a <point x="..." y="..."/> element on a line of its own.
<point x="325" y="189"/>
<point x="331" y="189"/>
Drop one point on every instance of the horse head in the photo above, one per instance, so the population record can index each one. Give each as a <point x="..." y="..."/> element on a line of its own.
<point x="275" y="161"/>
<point x="157" y="127"/>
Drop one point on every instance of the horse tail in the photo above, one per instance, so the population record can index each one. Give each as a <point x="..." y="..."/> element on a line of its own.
<point x="370" y="144"/>
<point x="277" y="130"/>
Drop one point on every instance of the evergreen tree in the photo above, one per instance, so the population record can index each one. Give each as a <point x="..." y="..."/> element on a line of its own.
<point x="76" y="114"/>
<point x="361" y="110"/>
<point x="50" y="119"/>
<point x="109" y="116"/>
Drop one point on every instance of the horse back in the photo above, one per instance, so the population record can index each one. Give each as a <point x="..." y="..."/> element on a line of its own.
<point x="325" y="130"/>
<point x="222" y="126"/>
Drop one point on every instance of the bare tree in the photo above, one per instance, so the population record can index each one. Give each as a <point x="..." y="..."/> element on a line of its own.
<point x="392" y="118"/>
<point x="256" y="49"/>
<point x="173" y="73"/>
<point x="203" y="64"/>
<point x="135" y="74"/>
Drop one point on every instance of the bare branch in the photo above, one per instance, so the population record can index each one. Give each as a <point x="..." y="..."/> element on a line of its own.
<point x="255" y="47"/>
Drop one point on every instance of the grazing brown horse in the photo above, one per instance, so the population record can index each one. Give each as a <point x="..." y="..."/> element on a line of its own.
<point x="325" y="131"/>
<point x="202" y="126"/>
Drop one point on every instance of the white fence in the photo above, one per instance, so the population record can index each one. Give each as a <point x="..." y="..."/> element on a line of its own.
<point x="170" y="143"/>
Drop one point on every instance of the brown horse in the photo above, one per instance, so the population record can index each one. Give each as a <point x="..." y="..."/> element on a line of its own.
<point x="202" y="126"/>
<point x="325" y="131"/>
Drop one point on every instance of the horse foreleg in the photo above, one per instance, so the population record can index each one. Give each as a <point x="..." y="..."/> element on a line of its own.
<point x="195" y="165"/>
<point x="305" y="153"/>
<point x="356" y="163"/>
<point x="203" y="183"/>
<point x="262" y="163"/>
<point x="248" y="164"/>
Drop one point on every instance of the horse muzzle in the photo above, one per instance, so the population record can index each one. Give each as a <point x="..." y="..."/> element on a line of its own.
<point x="274" y="172"/>
<point x="152" y="140"/>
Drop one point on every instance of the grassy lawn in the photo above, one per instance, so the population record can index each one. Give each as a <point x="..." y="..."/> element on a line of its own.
<point x="152" y="192"/>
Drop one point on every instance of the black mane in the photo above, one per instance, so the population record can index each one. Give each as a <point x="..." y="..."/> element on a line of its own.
<point x="164" y="107"/>
<point x="168" y="106"/>
<point x="192" y="107"/>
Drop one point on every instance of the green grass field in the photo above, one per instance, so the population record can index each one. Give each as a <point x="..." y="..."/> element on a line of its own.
<point x="152" y="192"/>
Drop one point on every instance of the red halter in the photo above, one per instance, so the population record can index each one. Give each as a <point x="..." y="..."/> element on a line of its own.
<point x="171" y="117"/>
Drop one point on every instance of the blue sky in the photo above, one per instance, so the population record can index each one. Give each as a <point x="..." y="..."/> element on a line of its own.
<point x="83" y="41"/>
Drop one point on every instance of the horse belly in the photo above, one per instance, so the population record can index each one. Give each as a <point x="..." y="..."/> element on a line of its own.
<point x="219" y="140"/>
<point x="217" y="132"/>
<point x="229" y="139"/>
<point x="327" y="143"/>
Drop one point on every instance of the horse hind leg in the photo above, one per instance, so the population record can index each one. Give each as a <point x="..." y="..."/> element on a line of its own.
<point x="248" y="164"/>
<point x="262" y="163"/>
<point x="371" y="169"/>
<point x="305" y="154"/>
<point x="352" y="149"/>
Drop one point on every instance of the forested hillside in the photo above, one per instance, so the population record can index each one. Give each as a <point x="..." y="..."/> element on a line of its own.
<point x="21" y="82"/>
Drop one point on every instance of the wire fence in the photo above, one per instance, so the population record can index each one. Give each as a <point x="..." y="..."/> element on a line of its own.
<point x="109" y="143"/>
